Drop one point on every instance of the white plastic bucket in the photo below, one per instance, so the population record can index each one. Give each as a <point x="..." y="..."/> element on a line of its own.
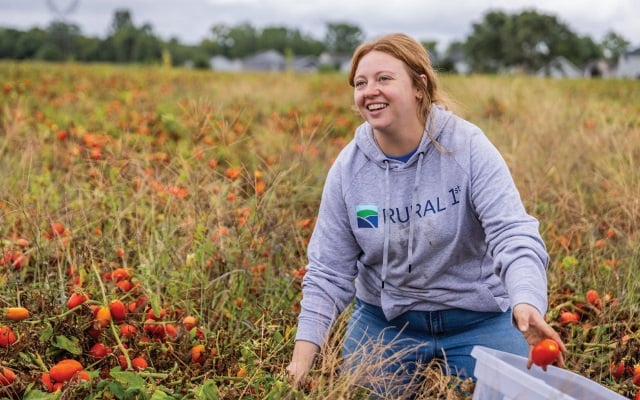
<point x="504" y="376"/>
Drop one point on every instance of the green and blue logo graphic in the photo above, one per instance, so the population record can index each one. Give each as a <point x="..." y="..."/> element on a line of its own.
<point x="367" y="216"/>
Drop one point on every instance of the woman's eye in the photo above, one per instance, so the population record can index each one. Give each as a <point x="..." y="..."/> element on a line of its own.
<point x="359" y="83"/>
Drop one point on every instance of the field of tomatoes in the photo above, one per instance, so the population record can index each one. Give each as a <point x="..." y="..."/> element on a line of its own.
<point x="154" y="223"/>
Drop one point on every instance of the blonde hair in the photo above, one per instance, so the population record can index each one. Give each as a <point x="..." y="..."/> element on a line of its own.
<point x="417" y="62"/>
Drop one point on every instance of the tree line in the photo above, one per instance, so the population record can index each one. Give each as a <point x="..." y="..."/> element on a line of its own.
<point x="527" y="40"/>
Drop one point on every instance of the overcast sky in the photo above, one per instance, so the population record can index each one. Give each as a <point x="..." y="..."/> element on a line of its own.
<point x="442" y="20"/>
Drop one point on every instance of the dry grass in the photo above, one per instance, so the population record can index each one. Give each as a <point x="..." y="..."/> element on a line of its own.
<point x="209" y="183"/>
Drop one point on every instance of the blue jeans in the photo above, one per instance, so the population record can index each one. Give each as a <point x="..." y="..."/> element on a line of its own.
<point x="387" y="354"/>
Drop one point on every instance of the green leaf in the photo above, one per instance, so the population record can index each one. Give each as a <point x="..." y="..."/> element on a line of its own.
<point x="208" y="391"/>
<point x="69" y="344"/>
<point x="38" y="395"/>
<point x="160" y="395"/>
<point x="46" y="333"/>
<point x="130" y="379"/>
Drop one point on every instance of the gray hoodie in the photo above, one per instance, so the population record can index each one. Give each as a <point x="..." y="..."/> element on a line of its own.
<point x="447" y="229"/>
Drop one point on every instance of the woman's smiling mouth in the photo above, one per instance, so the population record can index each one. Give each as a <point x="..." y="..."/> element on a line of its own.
<point x="376" y="107"/>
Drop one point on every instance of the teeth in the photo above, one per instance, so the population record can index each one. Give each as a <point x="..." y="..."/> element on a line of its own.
<point x="374" y="107"/>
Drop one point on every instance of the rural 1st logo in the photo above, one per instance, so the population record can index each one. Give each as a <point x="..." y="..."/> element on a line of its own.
<point x="367" y="216"/>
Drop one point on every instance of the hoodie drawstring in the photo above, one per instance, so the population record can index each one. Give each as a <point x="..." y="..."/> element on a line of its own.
<point x="387" y="225"/>
<point x="414" y="201"/>
<point x="387" y="202"/>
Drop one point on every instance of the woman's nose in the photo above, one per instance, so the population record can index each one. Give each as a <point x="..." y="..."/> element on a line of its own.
<point x="371" y="89"/>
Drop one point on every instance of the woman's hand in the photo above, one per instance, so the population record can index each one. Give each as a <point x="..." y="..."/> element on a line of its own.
<point x="303" y="355"/>
<point x="534" y="328"/>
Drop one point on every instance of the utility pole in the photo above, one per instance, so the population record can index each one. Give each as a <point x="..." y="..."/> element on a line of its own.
<point x="61" y="13"/>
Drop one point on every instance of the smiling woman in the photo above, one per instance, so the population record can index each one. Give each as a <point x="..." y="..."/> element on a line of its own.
<point x="427" y="285"/>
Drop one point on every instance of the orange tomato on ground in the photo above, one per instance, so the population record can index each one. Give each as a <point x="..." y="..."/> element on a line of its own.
<point x="189" y="322"/>
<point x="102" y="317"/>
<point x="197" y="353"/>
<point x="7" y="376"/>
<point x="65" y="370"/>
<point x="545" y="352"/>
<point x="46" y="381"/>
<point x="17" y="313"/>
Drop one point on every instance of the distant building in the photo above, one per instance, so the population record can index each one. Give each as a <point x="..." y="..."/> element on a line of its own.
<point x="597" y="69"/>
<point x="222" y="63"/>
<point x="629" y="65"/>
<point x="560" y="67"/>
<point x="304" y="64"/>
<point x="268" y="60"/>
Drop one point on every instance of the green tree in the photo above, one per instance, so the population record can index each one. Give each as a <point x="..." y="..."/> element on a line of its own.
<point x="62" y="42"/>
<point x="527" y="40"/>
<point x="485" y="46"/>
<point x="614" y="45"/>
<point x="8" y="42"/>
<point x="343" y="38"/>
<point x="277" y="38"/>
<point x="127" y="43"/>
<point x="242" y="40"/>
<point x="29" y="43"/>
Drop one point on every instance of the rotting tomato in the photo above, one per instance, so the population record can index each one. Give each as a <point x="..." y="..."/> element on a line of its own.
<point x="545" y="352"/>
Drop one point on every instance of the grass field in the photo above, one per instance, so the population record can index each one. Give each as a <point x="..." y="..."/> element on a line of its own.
<point x="191" y="195"/>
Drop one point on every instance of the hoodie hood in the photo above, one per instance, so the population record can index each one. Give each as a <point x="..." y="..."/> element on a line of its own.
<point x="436" y="122"/>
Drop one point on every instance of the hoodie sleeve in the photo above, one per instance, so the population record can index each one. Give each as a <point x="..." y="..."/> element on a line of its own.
<point x="513" y="237"/>
<point x="328" y="286"/>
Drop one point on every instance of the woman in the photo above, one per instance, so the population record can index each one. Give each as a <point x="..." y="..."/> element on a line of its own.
<point x="421" y="223"/>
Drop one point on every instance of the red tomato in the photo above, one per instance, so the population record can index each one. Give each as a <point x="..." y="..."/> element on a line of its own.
<point x="617" y="369"/>
<point x="594" y="298"/>
<point x="7" y="337"/>
<point x="636" y="375"/>
<point x="545" y="352"/>
<point x="99" y="351"/>
<point x="75" y="300"/>
<point x="569" y="318"/>
<point x="128" y="330"/>
<point x="118" y="310"/>
<point x="139" y="363"/>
